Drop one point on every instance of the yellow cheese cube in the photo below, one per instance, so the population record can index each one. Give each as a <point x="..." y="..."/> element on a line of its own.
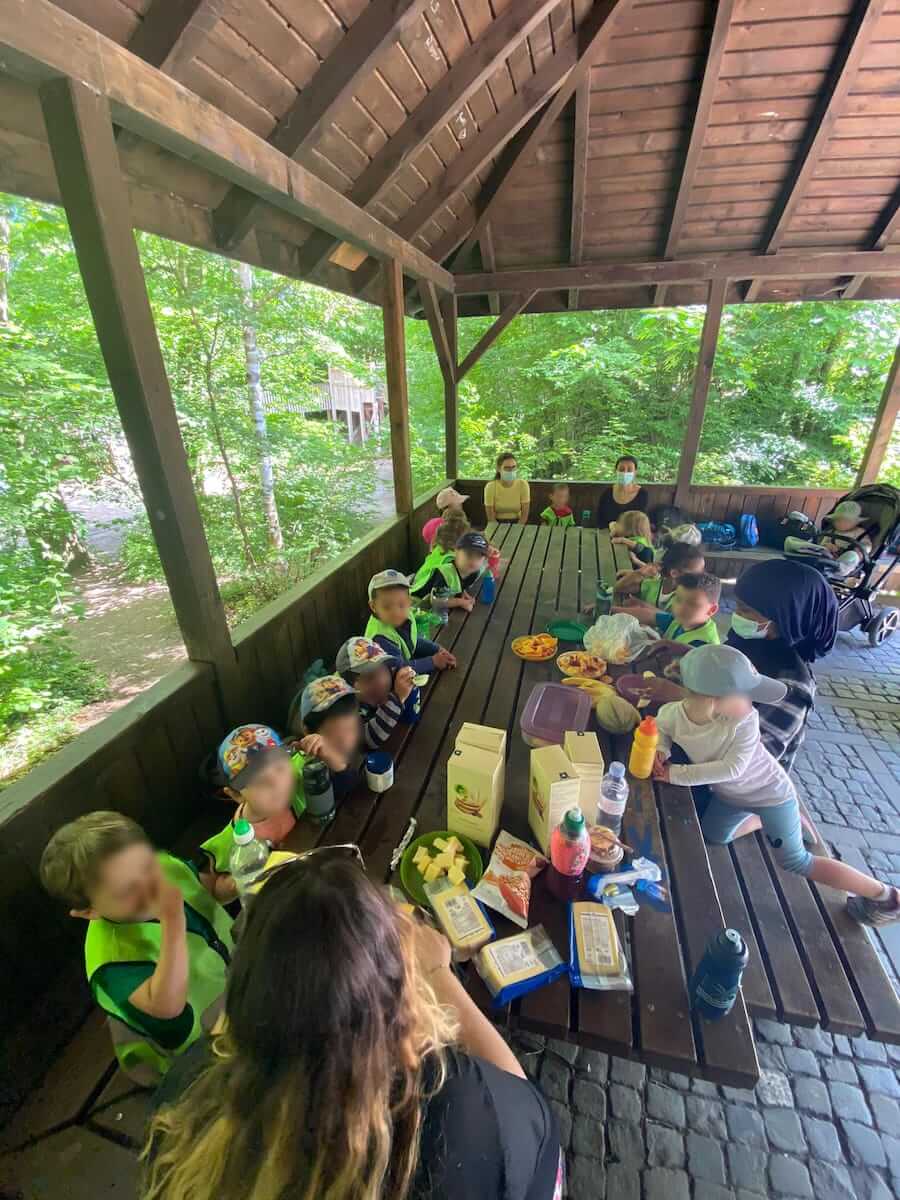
<point x="432" y="872"/>
<point x="457" y="873"/>
<point x="454" y="844"/>
<point x="440" y="844"/>
<point x="444" y="860"/>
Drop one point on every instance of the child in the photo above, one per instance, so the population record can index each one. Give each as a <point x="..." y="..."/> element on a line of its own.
<point x="448" y="498"/>
<point x="655" y="586"/>
<point x="633" y="530"/>
<point x="558" y="511"/>
<point x="386" y="689"/>
<point x="693" y="607"/>
<point x="451" y="529"/>
<point x="846" y="520"/>
<point x="393" y="626"/>
<point x="158" y="945"/>
<point x="717" y="727"/>
<point x="457" y="570"/>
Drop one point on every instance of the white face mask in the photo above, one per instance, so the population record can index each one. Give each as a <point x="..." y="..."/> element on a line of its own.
<point x="508" y="474"/>
<point x="745" y="628"/>
<point x="625" y="477"/>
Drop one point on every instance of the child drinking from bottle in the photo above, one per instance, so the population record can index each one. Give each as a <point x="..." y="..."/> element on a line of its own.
<point x="384" y="686"/>
<point x="717" y="727"/>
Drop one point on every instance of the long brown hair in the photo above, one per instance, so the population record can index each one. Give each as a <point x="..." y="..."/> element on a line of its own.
<point x="334" y="1040"/>
<point x="501" y="459"/>
<point x="452" y="528"/>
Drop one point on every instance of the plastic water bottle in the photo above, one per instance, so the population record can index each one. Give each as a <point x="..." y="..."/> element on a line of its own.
<point x="248" y="858"/>
<point x="714" y="985"/>
<point x="440" y="603"/>
<point x="613" y="798"/>
<point x="317" y="790"/>
<point x="488" y="589"/>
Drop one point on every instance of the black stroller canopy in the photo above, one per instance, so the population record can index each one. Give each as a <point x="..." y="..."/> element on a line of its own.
<point x="880" y="504"/>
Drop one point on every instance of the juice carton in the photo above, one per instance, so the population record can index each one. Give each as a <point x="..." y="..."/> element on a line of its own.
<point x="474" y="793"/>
<point x="583" y="751"/>
<point x="485" y="737"/>
<point x="554" y="789"/>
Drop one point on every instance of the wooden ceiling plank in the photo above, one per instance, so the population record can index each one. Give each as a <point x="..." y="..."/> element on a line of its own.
<point x="861" y="26"/>
<point x="172" y="31"/>
<point x="446" y="98"/>
<point x="379" y="25"/>
<point x="714" y="56"/>
<point x="579" y="180"/>
<point x="516" y="305"/>
<point x="595" y="32"/>
<point x="888" y="225"/>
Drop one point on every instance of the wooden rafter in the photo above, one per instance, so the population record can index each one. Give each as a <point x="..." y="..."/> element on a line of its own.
<point x="579" y="179"/>
<point x="888" y="225"/>
<point x="860" y="28"/>
<point x="451" y="399"/>
<point x="397" y="388"/>
<point x="434" y="317"/>
<point x="709" y="338"/>
<point x="714" y="58"/>
<point x="39" y="42"/>
<point x="596" y="30"/>
<point x="172" y="31"/>
<point x="516" y="305"/>
<point x="489" y="262"/>
<point x="379" y="25"/>
<point x="885" y="420"/>
<point x="445" y="99"/>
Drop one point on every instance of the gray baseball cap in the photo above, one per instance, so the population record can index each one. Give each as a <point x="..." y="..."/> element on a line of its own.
<point x="388" y="578"/>
<point x="725" y="671"/>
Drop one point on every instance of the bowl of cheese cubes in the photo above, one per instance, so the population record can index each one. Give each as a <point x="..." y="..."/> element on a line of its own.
<point x="435" y="855"/>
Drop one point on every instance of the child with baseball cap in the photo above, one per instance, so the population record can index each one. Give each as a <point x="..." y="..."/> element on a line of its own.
<point x="448" y="498"/>
<point x="717" y="728"/>
<point x="384" y="686"/>
<point x="393" y="625"/>
<point x="846" y="520"/>
<point x="456" y="570"/>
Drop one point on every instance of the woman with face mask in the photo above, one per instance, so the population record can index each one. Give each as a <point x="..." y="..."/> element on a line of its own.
<point x="786" y="616"/>
<point x="624" y="495"/>
<point x="507" y="497"/>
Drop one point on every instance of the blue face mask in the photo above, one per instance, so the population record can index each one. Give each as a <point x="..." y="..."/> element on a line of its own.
<point x="508" y="474"/>
<point x="745" y="628"/>
<point x="624" y="477"/>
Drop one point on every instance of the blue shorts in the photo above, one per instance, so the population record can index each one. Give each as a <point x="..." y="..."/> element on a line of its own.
<point x="781" y="828"/>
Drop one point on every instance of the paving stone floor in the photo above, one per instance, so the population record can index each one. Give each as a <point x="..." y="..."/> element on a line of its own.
<point x="824" y="1120"/>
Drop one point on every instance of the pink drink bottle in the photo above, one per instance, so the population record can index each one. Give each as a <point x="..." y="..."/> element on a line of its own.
<point x="569" y="849"/>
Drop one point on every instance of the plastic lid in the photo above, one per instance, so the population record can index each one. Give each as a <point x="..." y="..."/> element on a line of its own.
<point x="573" y="822"/>
<point x="243" y="832"/>
<point x="617" y="770"/>
<point x="648" y="726"/>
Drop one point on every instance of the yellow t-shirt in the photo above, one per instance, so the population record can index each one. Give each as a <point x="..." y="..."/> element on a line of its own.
<point x="507" y="499"/>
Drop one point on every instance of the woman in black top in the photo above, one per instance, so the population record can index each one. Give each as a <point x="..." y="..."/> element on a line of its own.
<point x="624" y="495"/>
<point x="353" y="1065"/>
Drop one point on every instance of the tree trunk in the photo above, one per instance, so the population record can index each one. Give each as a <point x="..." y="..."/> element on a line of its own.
<point x="257" y="409"/>
<point x="4" y="263"/>
<point x="232" y="481"/>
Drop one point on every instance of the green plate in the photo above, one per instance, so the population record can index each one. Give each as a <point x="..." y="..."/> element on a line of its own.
<point x="568" y="631"/>
<point x="411" y="877"/>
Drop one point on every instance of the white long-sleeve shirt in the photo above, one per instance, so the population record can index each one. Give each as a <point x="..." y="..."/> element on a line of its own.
<point x="726" y="754"/>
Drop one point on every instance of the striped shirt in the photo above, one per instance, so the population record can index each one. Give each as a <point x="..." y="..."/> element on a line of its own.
<point x="379" y="723"/>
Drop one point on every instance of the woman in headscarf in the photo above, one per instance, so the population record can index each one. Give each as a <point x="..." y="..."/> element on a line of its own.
<point x="785" y="618"/>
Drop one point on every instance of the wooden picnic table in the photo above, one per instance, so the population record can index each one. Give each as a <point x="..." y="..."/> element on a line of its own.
<point x="809" y="964"/>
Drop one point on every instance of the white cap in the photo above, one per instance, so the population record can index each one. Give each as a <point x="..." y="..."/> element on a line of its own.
<point x="725" y="671"/>
<point x="449" y="497"/>
<point x="848" y="510"/>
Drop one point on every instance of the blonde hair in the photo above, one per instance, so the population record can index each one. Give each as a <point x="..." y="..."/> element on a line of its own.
<point x="451" y="529"/>
<point x="634" y="523"/>
<point x="74" y="856"/>
<point x="335" y="1042"/>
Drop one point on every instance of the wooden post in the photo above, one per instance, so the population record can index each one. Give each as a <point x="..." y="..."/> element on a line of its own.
<point x="451" y="389"/>
<point x="392" y="302"/>
<point x="80" y="133"/>
<point x="885" y="419"/>
<point x="708" y="339"/>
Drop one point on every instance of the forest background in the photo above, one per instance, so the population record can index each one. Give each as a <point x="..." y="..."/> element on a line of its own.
<point x="793" y="395"/>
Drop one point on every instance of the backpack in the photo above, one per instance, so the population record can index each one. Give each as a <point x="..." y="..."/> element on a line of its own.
<point x="718" y="533"/>
<point x="748" y="536"/>
<point x="667" y="516"/>
<point x="797" y="525"/>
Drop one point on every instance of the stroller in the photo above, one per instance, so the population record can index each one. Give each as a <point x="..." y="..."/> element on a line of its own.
<point x="870" y="561"/>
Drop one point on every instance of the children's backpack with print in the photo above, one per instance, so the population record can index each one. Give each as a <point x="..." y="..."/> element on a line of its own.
<point x="748" y="536"/>
<point x="718" y="533"/>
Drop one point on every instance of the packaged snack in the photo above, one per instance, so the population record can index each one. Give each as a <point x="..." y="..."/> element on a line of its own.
<point x="506" y="884"/>
<point x="475" y="780"/>
<point x="519" y="964"/>
<point x="460" y="917"/>
<point x="596" y="960"/>
<point x="554" y="789"/>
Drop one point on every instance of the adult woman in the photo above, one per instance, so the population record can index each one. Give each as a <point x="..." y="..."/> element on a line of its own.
<point x="625" y="494"/>
<point x="338" y="1075"/>
<point x="506" y="496"/>
<point x="786" y="616"/>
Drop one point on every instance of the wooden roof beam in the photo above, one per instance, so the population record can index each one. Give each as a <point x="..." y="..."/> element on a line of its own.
<point x="439" y="335"/>
<point x="516" y="305"/>
<point x="378" y="26"/>
<point x="860" y="28"/>
<point x="709" y="339"/>
<point x="714" y="58"/>
<point x="885" y="420"/>
<point x="40" y="42"/>
<point x="888" y="226"/>
<point x="595" y="31"/>
<point x="579" y="180"/>
<point x="172" y="31"/>
<point x="449" y="94"/>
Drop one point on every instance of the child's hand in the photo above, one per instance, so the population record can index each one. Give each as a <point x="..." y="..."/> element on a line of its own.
<point x="466" y="601"/>
<point x="167" y="903"/>
<point x="443" y="659"/>
<point x="404" y="682"/>
<point x="432" y="950"/>
<point x="317" y="747"/>
<point x="661" y="767"/>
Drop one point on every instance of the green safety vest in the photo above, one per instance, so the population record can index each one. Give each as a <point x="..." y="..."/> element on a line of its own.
<point x="374" y="628"/>
<point x="220" y="845"/>
<point x="438" y="560"/>
<point x="651" y="591"/>
<point x="707" y="632"/>
<point x="108" y="942"/>
<point x="551" y="518"/>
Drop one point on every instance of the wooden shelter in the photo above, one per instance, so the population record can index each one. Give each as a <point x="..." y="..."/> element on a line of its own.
<point x="434" y="156"/>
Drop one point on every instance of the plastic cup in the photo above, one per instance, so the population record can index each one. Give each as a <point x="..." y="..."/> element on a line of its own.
<point x="379" y="771"/>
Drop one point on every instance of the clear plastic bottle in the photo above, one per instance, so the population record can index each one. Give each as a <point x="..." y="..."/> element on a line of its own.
<point x="249" y="856"/>
<point x="613" y="798"/>
<point x="570" y="846"/>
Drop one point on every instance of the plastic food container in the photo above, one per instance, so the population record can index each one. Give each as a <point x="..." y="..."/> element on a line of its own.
<point x="551" y="711"/>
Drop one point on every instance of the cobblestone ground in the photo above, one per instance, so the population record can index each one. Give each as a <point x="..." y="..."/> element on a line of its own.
<point x="824" y="1120"/>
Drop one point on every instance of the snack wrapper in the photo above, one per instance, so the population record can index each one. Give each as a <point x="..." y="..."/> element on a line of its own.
<point x="506" y="884"/>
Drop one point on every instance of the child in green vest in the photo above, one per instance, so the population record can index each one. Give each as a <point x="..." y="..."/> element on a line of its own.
<point x="694" y="606"/>
<point x="456" y="570"/>
<point x="655" y="585"/>
<point x="632" y="529"/>
<point x="158" y="945"/>
<point x="558" y="511"/>
<point x="393" y="626"/>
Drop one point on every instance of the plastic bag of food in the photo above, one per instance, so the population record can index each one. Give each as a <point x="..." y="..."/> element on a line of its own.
<point x="619" y="638"/>
<point x="506" y="884"/>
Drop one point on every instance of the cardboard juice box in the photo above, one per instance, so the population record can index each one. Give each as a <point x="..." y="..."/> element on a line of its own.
<point x="584" y="753"/>
<point x="554" y="789"/>
<point x="485" y="737"/>
<point x="474" y="793"/>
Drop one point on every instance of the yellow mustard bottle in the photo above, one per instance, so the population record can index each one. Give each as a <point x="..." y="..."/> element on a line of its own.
<point x="643" y="749"/>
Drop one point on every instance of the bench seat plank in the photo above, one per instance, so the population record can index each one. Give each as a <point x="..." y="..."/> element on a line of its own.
<point x="756" y="988"/>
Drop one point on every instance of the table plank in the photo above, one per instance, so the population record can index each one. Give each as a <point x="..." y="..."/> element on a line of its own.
<point x="727" y="1048"/>
<point x="757" y="990"/>
<point x="606" y="557"/>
